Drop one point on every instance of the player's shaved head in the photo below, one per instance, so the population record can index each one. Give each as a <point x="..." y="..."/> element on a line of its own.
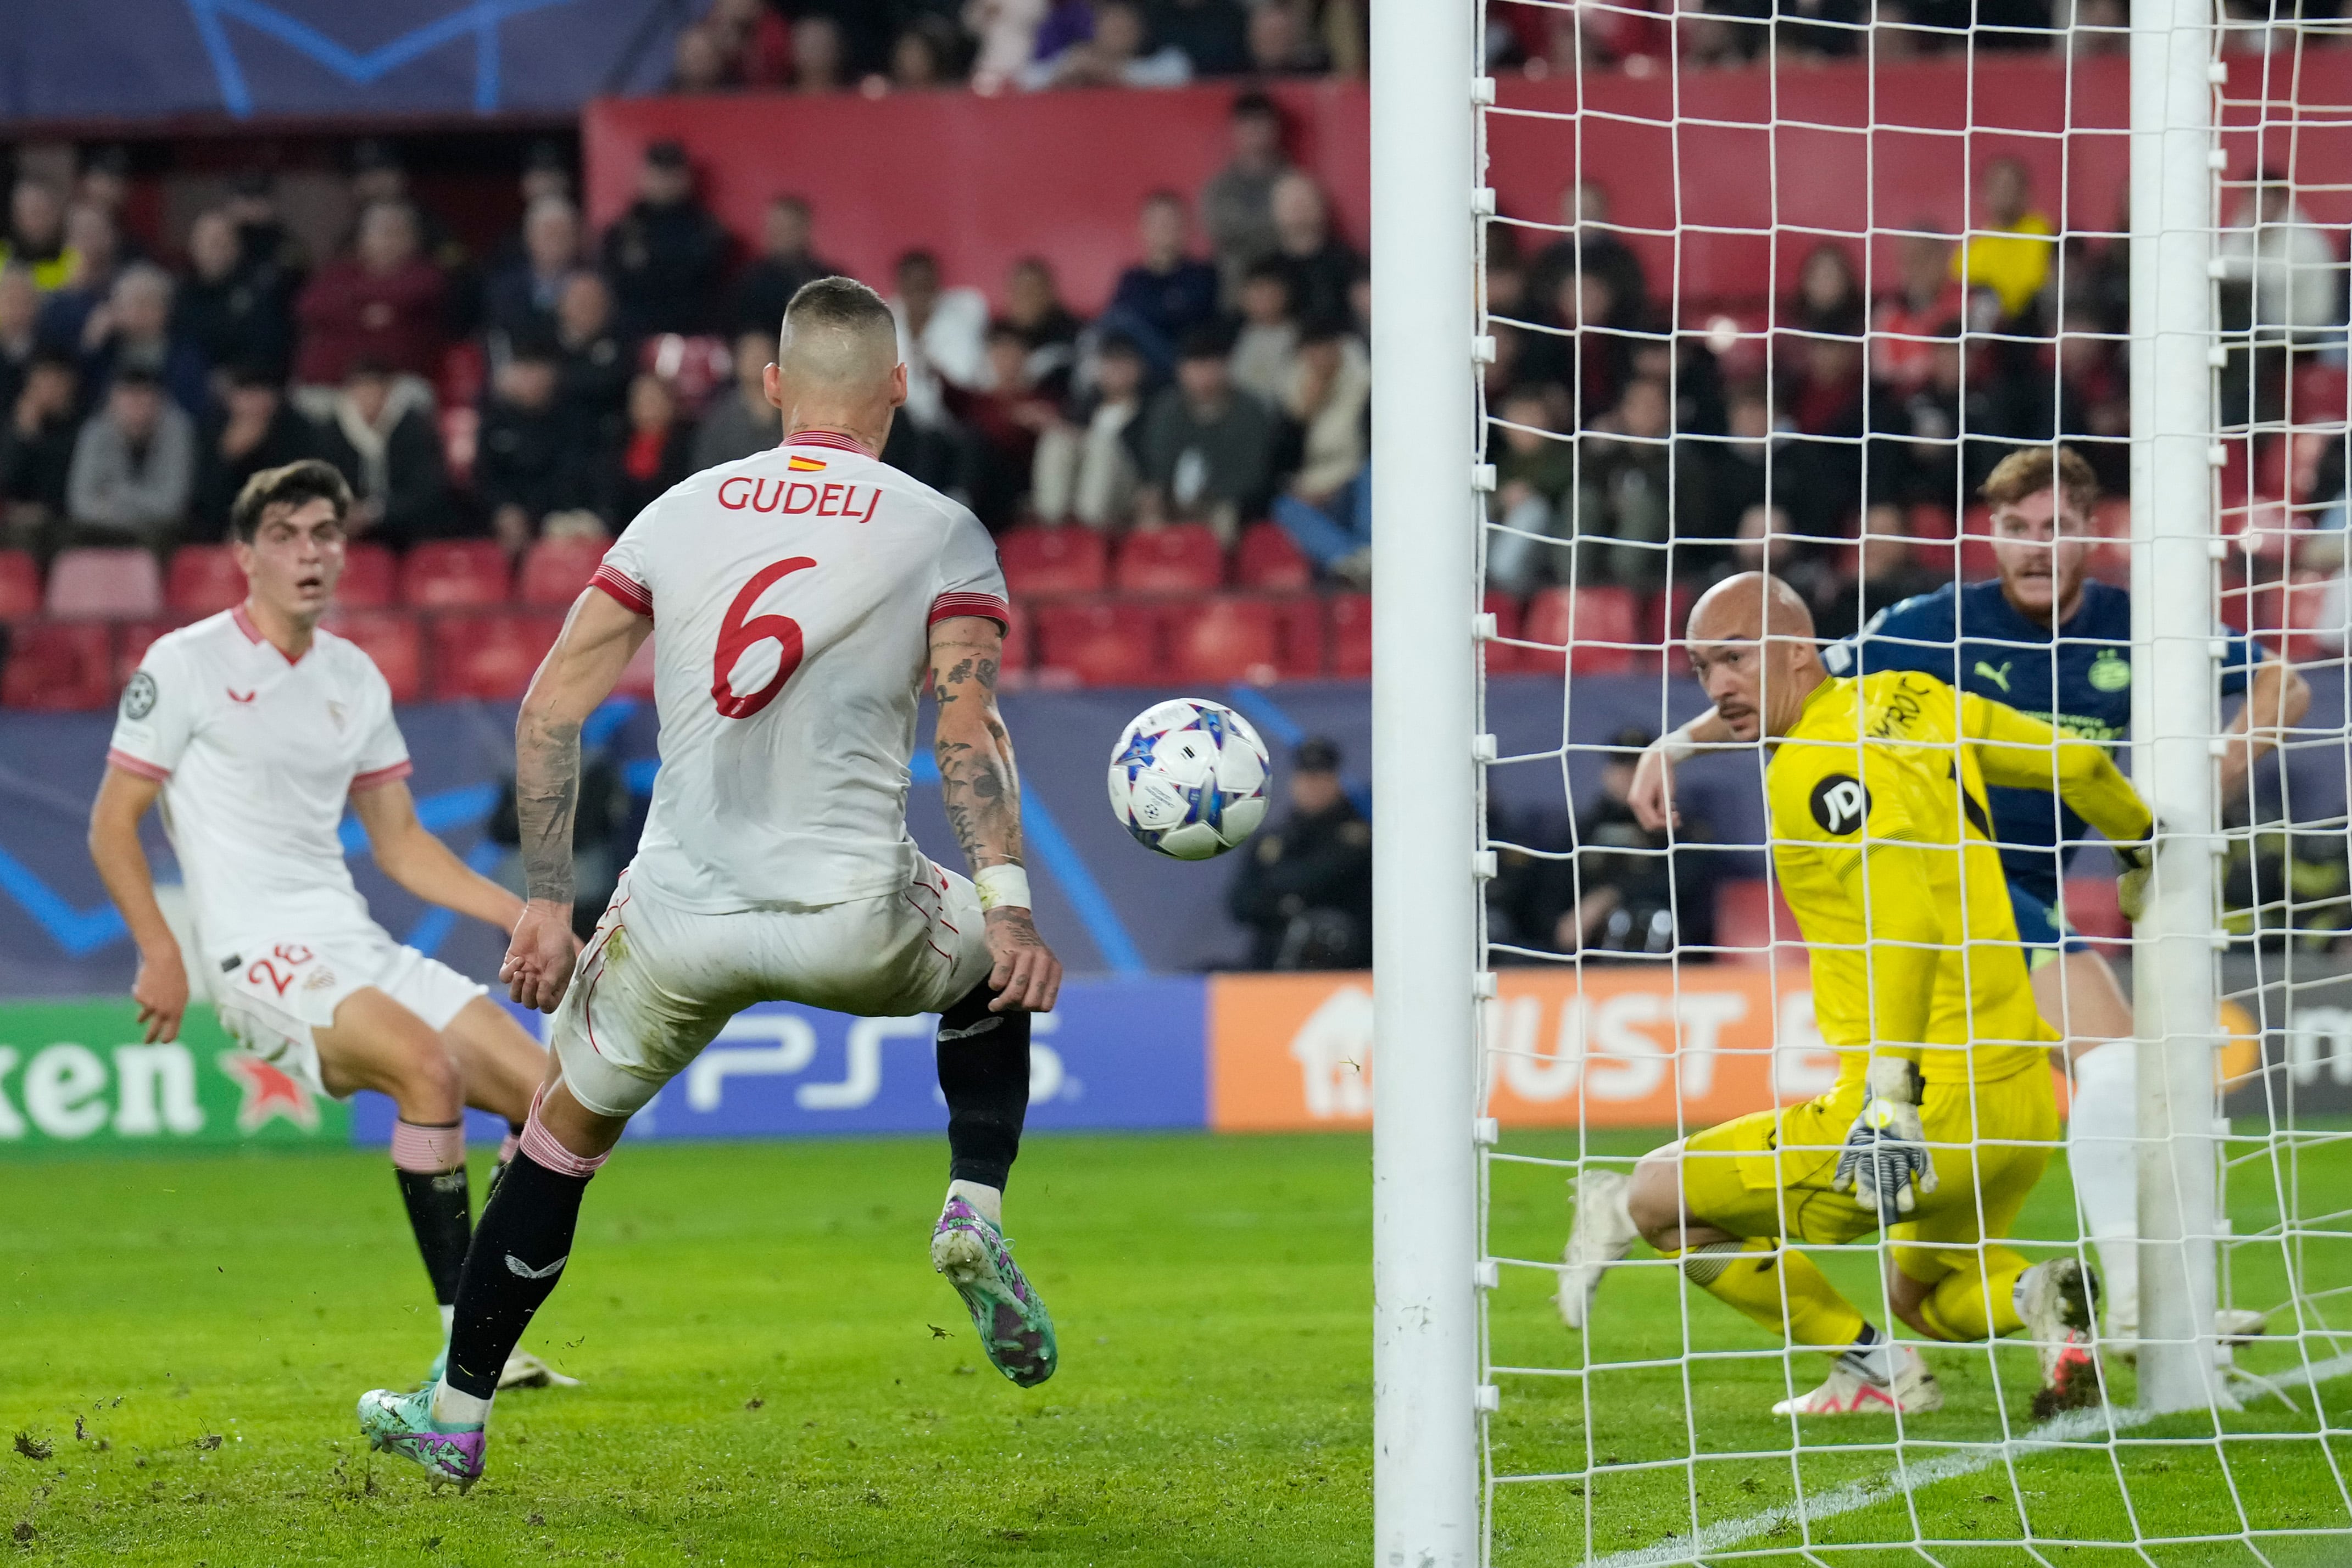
<point x="1751" y="646"/>
<point x="1752" y="605"/>
<point x="838" y="334"/>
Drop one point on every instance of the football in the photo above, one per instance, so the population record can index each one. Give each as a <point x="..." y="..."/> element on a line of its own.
<point x="1188" y="778"/>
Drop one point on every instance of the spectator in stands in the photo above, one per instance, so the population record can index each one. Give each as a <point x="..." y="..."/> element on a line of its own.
<point x="1907" y="317"/>
<point x="1330" y="402"/>
<point x="386" y="301"/>
<point x="134" y="467"/>
<point x="1212" y="35"/>
<point x="2094" y="397"/>
<point x="37" y="233"/>
<point x="665" y="254"/>
<point x="1266" y="350"/>
<point x="1323" y="267"/>
<point x="1585" y="212"/>
<point x="1830" y="410"/>
<point x="787" y="261"/>
<point x="104" y="182"/>
<point x="1739" y="471"/>
<point x="1112" y="56"/>
<point x="521" y="295"/>
<point x="1638" y="480"/>
<point x="1003" y="425"/>
<point x="655" y="452"/>
<point x="1237" y="203"/>
<point x="1066" y="21"/>
<point x="1885" y="571"/>
<point x="20" y="338"/>
<point x="94" y="246"/>
<point x="1206" y="449"/>
<point x="927" y="53"/>
<point x="379" y="176"/>
<point x="390" y="452"/>
<point x="1086" y="469"/>
<point x="233" y="315"/>
<point x="1828" y="295"/>
<point x="531" y="461"/>
<point x="754" y="38"/>
<point x="2284" y="281"/>
<point x="1620" y="894"/>
<point x="593" y="384"/>
<point x="1034" y="308"/>
<point x="1535" y="474"/>
<point x="251" y="428"/>
<point x="1279" y="46"/>
<point x="37" y="451"/>
<point x="943" y="338"/>
<point x="133" y="328"/>
<point x="546" y="171"/>
<point x="1164" y="298"/>
<point x="818" y="57"/>
<point x="744" y="421"/>
<point x="697" y="62"/>
<point x="2008" y="250"/>
<point x="1304" y="888"/>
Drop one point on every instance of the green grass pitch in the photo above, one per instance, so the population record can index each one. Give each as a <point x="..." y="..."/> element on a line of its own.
<point x="184" y="1339"/>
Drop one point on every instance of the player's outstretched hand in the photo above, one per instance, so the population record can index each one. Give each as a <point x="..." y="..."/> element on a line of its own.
<point x="538" y="962"/>
<point x="1653" y="795"/>
<point x="161" y="989"/>
<point x="1886" y="1163"/>
<point x="1027" y="977"/>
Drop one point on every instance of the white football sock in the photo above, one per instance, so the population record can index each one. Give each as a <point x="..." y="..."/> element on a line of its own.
<point x="455" y="1408"/>
<point x="1872" y="1354"/>
<point x="989" y="1200"/>
<point x="448" y="1319"/>
<point x="2100" y="1150"/>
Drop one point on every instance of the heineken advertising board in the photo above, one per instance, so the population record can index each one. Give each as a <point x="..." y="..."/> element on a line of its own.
<point x="76" y="1076"/>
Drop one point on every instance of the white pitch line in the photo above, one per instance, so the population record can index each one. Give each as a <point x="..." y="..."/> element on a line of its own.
<point x="2073" y="1427"/>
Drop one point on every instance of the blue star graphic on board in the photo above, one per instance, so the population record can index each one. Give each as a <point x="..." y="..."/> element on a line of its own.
<point x="478" y="21"/>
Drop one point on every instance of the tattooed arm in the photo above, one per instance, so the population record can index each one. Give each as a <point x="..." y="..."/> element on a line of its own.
<point x="983" y="792"/>
<point x="599" y="639"/>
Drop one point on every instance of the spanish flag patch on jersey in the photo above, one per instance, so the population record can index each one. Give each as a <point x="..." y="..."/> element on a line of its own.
<point x="800" y="465"/>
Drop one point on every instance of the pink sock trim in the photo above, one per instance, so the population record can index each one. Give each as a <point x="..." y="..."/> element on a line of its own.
<point x="507" y="1146"/>
<point x="428" y="1150"/>
<point x="540" y="1146"/>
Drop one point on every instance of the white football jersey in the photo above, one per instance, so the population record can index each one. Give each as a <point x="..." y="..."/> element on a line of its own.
<point x="258" y="757"/>
<point x="792" y="594"/>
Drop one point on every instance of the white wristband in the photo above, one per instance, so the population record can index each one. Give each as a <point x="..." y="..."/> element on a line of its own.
<point x="1002" y="887"/>
<point x="1677" y="746"/>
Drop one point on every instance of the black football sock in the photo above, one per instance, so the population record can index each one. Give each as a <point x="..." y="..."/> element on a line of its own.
<point x="430" y="1163"/>
<point x="518" y="1257"/>
<point x="985" y="1073"/>
<point x="506" y="1157"/>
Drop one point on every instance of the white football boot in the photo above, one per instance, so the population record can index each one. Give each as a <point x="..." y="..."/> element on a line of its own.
<point x="1598" y="1239"/>
<point x="1913" y="1390"/>
<point x="2059" y="1302"/>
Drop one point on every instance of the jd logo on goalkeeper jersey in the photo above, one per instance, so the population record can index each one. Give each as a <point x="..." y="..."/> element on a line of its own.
<point x="1840" y="803"/>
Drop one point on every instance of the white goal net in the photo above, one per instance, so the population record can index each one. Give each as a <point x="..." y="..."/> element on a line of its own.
<point x="1790" y="288"/>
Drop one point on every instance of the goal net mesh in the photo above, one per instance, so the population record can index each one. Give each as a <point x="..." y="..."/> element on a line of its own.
<point x="1762" y="293"/>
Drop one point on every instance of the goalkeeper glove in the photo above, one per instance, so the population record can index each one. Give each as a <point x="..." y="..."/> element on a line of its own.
<point x="2139" y="870"/>
<point x="1886" y="1163"/>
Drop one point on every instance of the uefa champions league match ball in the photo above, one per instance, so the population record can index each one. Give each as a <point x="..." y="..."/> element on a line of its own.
<point x="1188" y="778"/>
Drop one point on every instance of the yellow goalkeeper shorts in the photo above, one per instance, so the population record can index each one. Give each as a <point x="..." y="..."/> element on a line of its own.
<point x="1768" y="1174"/>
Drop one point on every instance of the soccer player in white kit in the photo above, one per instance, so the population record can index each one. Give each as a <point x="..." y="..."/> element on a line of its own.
<point x="801" y="593"/>
<point x="254" y="728"/>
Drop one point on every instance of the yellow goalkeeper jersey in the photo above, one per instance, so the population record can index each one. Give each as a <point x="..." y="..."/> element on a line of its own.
<point x="1884" y="849"/>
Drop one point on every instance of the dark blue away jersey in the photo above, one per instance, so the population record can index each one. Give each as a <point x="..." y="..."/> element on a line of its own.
<point x="1971" y="638"/>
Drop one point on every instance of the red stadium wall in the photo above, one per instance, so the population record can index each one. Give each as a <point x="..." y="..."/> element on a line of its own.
<point x="984" y="181"/>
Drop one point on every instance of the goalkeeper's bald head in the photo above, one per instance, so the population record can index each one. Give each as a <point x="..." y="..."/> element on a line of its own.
<point x="1751" y="646"/>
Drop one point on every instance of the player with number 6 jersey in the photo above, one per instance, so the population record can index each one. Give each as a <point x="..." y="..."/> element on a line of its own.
<point x="795" y="598"/>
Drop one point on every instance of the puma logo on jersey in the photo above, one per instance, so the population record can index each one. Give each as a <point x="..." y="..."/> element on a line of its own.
<point x="1840" y="804"/>
<point x="524" y="1270"/>
<point x="1998" y="677"/>
<point x="237" y="696"/>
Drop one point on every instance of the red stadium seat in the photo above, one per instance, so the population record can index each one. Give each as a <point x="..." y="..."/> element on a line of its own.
<point x="1071" y="560"/>
<point x="20" y="585"/>
<point x="448" y="574"/>
<point x="555" y="571"/>
<point x="489" y="657"/>
<point x="1751" y="919"/>
<point x="1182" y="558"/>
<point x="394" y="641"/>
<point x="204" y="579"/>
<point x="1930" y="521"/>
<point x="1013" y="672"/>
<point x="1100" y="643"/>
<point x="58" y="665"/>
<point x="114" y="583"/>
<point x="1351" y="635"/>
<point x="1502" y="659"/>
<point x="464" y="372"/>
<point x="371" y="578"/>
<point x="461" y="435"/>
<point x="1267" y="558"/>
<point x="1231" y="637"/>
<point x="1599" y="626"/>
<point x="1977" y="560"/>
<point x="2319" y="392"/>
<point x="132" y="638"/>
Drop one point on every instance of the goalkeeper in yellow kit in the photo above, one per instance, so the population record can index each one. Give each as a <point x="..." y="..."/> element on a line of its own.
<point x="1943" y="1117"/>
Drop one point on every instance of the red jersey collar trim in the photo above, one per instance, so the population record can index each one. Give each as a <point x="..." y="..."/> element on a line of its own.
<point x="828" y="438"/>
<point x="253" y="634"/>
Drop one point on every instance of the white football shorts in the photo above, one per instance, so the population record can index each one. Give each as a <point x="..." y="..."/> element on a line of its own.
<point x="271" y="997"/>
<point x="655" y="984"/>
